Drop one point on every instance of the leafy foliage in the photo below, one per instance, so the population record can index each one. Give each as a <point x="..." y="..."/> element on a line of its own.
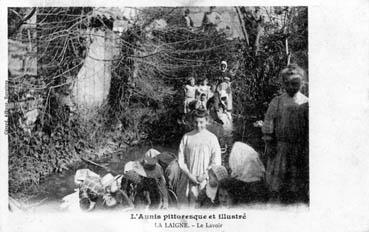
<point x="146" y="97"/>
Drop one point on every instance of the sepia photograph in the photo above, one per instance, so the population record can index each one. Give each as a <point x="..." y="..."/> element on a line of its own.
<point x="136" y="108"/>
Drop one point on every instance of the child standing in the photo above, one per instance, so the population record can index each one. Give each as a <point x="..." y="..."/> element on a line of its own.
<point x="204" y="88"/>
<point x="225" y="86"/>
<point x="198" y="150"/>
<point x="201" y="102"/>
<point x="190" y="93"/>
<point x="282" y="130"/>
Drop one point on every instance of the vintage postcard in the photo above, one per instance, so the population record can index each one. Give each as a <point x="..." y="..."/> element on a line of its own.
<point x="187" y="116"/>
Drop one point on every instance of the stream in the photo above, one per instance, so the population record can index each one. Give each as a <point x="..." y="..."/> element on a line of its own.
<point x="58" y="185"/>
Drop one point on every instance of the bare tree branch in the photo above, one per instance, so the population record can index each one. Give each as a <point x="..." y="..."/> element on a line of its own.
<point x="20" y="23"/>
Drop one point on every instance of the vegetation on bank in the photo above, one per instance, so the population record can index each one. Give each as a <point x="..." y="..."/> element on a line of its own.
<point x="147" y="77"/>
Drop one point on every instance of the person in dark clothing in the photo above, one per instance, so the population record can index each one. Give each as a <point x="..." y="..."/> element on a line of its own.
<point x="187" y="20"/>
<point x="208" y="196"/>
<point x="285" y="135"/>
<point x="249" y="173"/>
<point x="151" y="173"/>
<point x="227" y="193"/>
<point x="303" y="163"/>
<point x="213" y="105"/>
<point x="248" y="193"/>
<point x="175" y="178"/>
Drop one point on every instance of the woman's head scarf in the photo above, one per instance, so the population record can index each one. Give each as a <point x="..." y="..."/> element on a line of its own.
<point x="245" y="163"/>
<point x="223" y="63"/>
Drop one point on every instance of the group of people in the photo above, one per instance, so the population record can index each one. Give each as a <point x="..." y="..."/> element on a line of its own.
<point x="285" y="129"/>
<point x="207" y="181"/>
<point x="216" y="97"/>
<point x="198" y="177"/>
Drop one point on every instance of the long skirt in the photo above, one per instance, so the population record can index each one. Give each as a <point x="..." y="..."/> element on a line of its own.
<point x="282" y="168"/>
<point x="250" y="192"/>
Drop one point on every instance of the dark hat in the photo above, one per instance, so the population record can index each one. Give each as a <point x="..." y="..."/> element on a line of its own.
<point x="145" y="167"/>
<point x="200" y="113"/>
<point x="132" y="176"/>
<point x="219" y="171"/>
<point x="149" y="163"/>
<point x="151" y="167"/>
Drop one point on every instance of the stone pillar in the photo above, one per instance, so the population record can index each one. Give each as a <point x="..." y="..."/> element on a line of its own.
<point x="93" y="80"/>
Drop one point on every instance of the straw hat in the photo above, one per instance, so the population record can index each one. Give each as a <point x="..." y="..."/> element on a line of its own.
<point x="219" y="171"/>
<point x="151" y="167"/>
<point x="147" y="167"/>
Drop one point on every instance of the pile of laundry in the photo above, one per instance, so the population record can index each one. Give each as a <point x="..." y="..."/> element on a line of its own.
<point x="142" y="184"/>
<point x="95" y="192"/>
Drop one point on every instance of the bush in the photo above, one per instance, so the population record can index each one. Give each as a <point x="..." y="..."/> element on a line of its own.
<point x="146" y="97"/>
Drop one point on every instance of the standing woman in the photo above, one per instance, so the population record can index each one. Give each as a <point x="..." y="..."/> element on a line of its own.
<point x="198" y="151"/>
<point x="282" y="130"/>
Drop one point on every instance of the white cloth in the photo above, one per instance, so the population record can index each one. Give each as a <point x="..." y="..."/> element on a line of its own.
<point x="211" y="192"/>
<point x="226" y="118"/>
<point x="190" y="94"/>
<point x="245" y="163"/>
<point x="190" y="91"/>
<point x="197" y="152"/>
<point x="204" y="89"/>
<point x="188" y="21"/>
<point x="82" y="174"/>
<point x="152" y="153"/>
<point x="135" y="166"/>
<point x="225" y="90"/>
<point x="70" y="202"/>
<point x="224" y="63"/>
<point x="222" y="93"/>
